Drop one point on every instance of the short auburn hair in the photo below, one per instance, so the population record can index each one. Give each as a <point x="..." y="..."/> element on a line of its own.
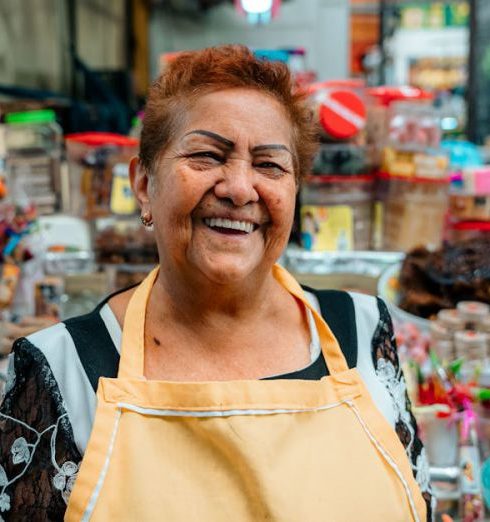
<point x="213" y="69"/>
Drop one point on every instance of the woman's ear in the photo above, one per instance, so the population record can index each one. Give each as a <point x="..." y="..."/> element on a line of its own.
<point x="139" y="182"/>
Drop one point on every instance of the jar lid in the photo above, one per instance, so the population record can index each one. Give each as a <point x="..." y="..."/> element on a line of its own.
<point x="40" y="116"/>
<point x="386" y="94"/>
<point x="342" y="113"/>
<point x="478" y="226"/>
<point x="97" y="139"/>
<point x="470" y="339"/>
<point x="473" y="307"/>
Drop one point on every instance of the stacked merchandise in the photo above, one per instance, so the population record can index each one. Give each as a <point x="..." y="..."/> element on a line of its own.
<point x="451" y="398"/>
<point x="336" y="199"/>
<point x="30" y="179"/>
<point x="445" y="342"/>
<point x="469" y="204"/>
<point x="413" y="182"/>
<point x="100" y="193"/>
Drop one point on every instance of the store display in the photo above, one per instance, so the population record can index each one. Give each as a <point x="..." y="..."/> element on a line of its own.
<point x="380" y="100"/>
<point x="467" y="230"/>
<point x="336" y="212"/>
<point x="97" y="174"/>
<point x="414" y="126"/>
<point x="33" y="142"/>
<point x="469" y="207"/>
<point x="9" y="280"/>
<point x="431" y="281"/>
<point x="47" y="296"/>
<point x="124" y="241"/>
<point x="340" y="108"/>
<point x="341" y="159"/>
<point x="414" y="211"/>
<point x="413" y="164"/>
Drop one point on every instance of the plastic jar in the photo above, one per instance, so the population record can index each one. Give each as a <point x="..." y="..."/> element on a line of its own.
<point x="341" y="159"/>
<point x="471" y="345"/>
<point x="97" y="165"/>
<point x="414" y="212"/>
<point x="473" y="313"/>
<point x="464" y="230"/>
<point x="450" y="319"/>
<point x="34" y="145"/>
<point x="414" y="126"/>
<point x="379" y="101"/>
<point x="336" y="213"/>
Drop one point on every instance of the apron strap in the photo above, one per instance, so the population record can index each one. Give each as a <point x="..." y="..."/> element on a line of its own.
<point x="338" y="309"/>
<point x="132" y="361"/>
<point x="330" y="346"/>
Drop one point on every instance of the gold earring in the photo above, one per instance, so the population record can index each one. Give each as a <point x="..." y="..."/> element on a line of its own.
<point x="146" y="219"/>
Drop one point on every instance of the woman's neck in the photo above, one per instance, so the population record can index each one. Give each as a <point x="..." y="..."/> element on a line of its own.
<point x="197" y="299"/>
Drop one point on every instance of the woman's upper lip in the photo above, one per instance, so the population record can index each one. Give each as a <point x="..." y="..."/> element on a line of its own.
<point x="234" y="217"/>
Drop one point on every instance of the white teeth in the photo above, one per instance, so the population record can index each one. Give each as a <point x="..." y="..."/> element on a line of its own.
<point x="244" y="226"/>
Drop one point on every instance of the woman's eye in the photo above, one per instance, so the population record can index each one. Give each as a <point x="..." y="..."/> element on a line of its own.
<point x="269" y="165"/>
<point x="207" y="156"/>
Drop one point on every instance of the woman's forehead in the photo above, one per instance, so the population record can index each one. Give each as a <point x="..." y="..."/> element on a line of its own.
<point x="235" y="113"/>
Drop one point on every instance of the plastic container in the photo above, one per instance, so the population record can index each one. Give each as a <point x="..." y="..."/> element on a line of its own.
<point x="466" y="230"/>
<point x="439" y="434"/>
<point x="341" y="159"/>
<point x="471" y="345"/>
<point x="451" y="319"/>
<point x="97" y="164"/>
<point x="473" y="313"/>
<point x="341" y="110"/>
<point x="379" y="100"/>
<point x="33" y="152"/>
<point x="414" y="126"/>
<point x="469" y="207"/>
<point x="414" y="212"/>
<point x="336" y="213"/>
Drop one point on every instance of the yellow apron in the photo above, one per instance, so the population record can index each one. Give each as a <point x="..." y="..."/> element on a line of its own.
<point x="252" y="450"/>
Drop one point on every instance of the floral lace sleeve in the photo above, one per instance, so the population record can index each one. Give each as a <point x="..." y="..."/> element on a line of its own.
<point x="38" y="456"/>
<point x="387" y="365"/>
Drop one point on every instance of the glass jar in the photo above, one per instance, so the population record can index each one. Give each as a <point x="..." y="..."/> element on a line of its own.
<point x="33" y="153"/>
<point x="336" y="213"/>
<point x="467" y="230"/>
<point x="414" y="211"/>
<point x="471" y="345"/>
<point x="97" y="165"/>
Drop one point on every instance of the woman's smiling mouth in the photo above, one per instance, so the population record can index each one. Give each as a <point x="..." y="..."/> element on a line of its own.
<point x="230" y="226"/>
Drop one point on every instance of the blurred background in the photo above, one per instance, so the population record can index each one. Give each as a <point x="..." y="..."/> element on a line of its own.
<point x="397" y="203"/>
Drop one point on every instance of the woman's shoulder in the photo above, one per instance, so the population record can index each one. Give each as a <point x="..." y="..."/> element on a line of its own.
<point x="38" y="442"/>
<point x="56" y="359"/>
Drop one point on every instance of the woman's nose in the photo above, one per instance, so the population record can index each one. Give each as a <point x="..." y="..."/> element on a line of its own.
<point x="237" y="184"/>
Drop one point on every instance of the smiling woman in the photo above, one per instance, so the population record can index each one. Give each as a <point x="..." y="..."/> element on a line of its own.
<point x="221" y="383"/>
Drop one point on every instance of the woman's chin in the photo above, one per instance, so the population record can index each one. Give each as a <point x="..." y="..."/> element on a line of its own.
<point x="228" y="272"/>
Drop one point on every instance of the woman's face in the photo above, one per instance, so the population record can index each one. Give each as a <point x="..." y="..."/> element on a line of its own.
<point x="222" y="196"/>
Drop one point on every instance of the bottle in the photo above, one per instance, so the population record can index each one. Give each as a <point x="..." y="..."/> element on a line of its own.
<point x="471" y="501"/>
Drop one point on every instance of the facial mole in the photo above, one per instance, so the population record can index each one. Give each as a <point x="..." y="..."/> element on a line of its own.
<point x="156" y="341"/>
<point x="278" y="200"/>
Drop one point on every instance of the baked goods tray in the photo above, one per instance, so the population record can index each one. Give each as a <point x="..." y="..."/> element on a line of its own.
<point x="366" y="262"/>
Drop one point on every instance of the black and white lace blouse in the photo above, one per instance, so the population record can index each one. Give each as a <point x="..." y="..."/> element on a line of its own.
<point x="48" y="410"/>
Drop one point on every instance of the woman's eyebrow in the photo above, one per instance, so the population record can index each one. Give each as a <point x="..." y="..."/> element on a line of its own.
<point x="229" y="144"/>
<point x="273" y="146"/>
